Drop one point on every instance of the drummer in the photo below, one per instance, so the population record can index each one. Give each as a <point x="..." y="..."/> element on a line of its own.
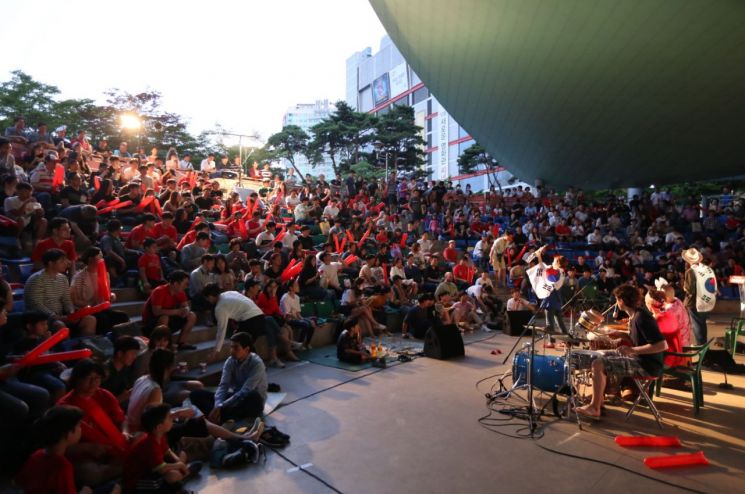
<point x="642" y="358"/>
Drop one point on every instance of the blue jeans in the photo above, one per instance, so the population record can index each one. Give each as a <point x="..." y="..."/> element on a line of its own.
<point x="698" y="325"/>
<point x="553" y="316"/>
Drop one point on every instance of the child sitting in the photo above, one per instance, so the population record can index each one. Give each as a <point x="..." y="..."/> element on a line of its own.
<point x="151" y="465"/>
<point x="47" y="470"/>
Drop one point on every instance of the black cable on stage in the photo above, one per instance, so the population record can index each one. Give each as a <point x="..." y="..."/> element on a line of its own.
<point x="306" y="471"/>
<point x="520" y="434"/>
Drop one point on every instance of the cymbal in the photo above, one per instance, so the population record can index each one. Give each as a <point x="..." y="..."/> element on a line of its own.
<point x="616" y="327"/>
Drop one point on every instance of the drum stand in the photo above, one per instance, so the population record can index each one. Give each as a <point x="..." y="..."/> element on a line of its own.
<point x="532" y="412"/>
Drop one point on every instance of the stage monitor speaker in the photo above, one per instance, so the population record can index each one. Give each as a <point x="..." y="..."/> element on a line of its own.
<point x="443" y="342"/>
<point x="518" y="319"/>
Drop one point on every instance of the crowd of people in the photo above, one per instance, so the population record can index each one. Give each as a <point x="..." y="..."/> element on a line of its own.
<point x="246" y="260"/>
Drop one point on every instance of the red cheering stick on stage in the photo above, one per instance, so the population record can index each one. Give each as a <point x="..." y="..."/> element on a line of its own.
<point x="62" y="357"/>
<point x="43" y="347"/>
<point x="686" y="460"/>
<point x="404" y="237"/>
<point x="350" y="259"/>
<point x="648" y="441"/>
<point x="104" y="285"/>
<point x="87" y="311"/>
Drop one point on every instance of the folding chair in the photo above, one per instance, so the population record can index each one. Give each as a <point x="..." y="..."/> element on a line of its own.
<point x="645" y="385"/>
<point x="731" y="335"/>
<point x="691" y="373"/>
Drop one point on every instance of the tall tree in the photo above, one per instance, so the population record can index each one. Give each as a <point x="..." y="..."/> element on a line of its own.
<point x="476" y="157"/>
<point x="287" y="144"/>
<point x="397" y="135"/>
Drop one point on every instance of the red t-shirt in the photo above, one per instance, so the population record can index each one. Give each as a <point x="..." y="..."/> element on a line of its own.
<point x="48" y="243"/>
<point x="147" y="453"/>
<point x="138" y="235"/>
<point x="102" y="419"/>
<point x="151" y="263"/>
<point x="563" y="230"/>
<point x="161" y="229"/>
<point x="45" y="473"/>
<point x="163" y="298"/>
<point x="450" y="254"/>
<point x="269" y="306"/>
<point x="462" y="272"/>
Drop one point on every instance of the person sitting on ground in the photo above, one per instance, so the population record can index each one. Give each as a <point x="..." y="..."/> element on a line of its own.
<point x="48" y="470"/>
<point x="354" y="304"/>
<point x="243" y="384"/>
<point x="48" y="291"/>
<point x="59" y="239"/>
<point x="447" y="286"/>
<point x="419" y="318"/>
<point x="169" y="306"/>
<point x="151" y="460"/>
<point x="148" y="390"/>
<point x="643" y="357"/>
<point x="119" y="379"/>
<point x="349" y="346"/>
<point x="464" y="314"/>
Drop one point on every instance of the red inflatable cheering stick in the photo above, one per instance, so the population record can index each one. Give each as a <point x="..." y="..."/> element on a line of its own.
<point x="43" y="347"/>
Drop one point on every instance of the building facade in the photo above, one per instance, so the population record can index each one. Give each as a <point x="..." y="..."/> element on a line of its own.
<point x="305" y="116"/>
<point x="376" y="82"/>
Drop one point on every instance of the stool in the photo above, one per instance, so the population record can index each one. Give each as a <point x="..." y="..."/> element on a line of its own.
<point x="645" y="385"/>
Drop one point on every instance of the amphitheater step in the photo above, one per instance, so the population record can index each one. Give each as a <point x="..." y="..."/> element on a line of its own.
<point x="195" y="357"/>
<point x="133" y="308"/>
<point x="128" y="295"/>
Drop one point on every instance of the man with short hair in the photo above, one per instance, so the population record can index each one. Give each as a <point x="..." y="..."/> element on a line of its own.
<point x="237" y="307"/>
<point x="168" y="305"/>
<point x="419" y="318"/>
<point x="191" y="254"/>
<point x="243" y="384"/>
<point x="208" y="164"/>
<point x="48" y="291"/>
<point x="265" y="239"/>
<point x="26" y="211"/>
<point x="119" y="379"/>
<point x="59" y="239"/>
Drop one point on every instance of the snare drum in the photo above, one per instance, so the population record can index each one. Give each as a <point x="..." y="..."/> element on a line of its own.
<point x="548" y="371"/>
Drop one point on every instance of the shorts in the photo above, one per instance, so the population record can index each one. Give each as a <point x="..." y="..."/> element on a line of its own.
<point x="621" y="366"/>
<point x="498" y="262"/>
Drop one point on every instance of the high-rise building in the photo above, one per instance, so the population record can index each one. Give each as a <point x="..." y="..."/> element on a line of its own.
<point x="305" y="116"/>
<point x="376" y="82"/>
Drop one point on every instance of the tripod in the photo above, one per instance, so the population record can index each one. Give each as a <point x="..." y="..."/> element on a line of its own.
<point x="532" y="412"/>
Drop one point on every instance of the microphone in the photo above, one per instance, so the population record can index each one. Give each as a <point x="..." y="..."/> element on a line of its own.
<point x="615" y="311"/>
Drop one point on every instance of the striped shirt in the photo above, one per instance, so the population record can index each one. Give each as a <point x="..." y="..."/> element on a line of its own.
<point x="48" y="293"/>
<point x="41" y="178"/>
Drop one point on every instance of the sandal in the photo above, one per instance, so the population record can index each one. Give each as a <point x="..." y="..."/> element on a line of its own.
<point x="584" y="414"/>
<point x="272" y="440"/>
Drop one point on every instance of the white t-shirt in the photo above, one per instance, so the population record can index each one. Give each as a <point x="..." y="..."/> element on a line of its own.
<point x="289" y="304"/>
<point x="207" y="166"/>
<point x="520" y="304"/>
<point x="13" y="203"/>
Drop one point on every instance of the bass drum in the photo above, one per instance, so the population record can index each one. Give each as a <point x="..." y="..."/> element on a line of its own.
<point x="549" y="371"/>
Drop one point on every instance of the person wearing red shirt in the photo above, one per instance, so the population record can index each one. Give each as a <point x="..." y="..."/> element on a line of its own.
<point x="48" y="470"/>
<point x="151" y="459"/>
<point x="165" y="233"/>
<point x="150" y="270"/>
<point x="450" y="253"/>
<point x="562" y="230"/>
<point x="103" y="445"/>
<point x="168" y="305"/>
<point x="463" y="272"/>
<point x="60" y="239"/>
<point x="142" y="231"/>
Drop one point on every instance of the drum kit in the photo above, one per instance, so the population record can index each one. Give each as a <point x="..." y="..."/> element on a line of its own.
<point x="562" y="375"/>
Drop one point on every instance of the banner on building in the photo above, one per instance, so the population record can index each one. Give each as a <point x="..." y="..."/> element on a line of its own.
<point x="443" y="134"/>
<point x="381" y="88"/>
<point x="399" y="79"/>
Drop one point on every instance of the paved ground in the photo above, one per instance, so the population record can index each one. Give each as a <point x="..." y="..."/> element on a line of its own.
<point x="414" y="428"/>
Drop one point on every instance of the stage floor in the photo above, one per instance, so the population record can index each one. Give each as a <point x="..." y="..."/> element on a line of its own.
<point x="414" y="428"/>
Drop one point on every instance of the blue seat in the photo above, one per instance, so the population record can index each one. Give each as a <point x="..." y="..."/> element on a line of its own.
<point x="25" y="270"/>
<point x="17" y="261"/>
<point x="18" y="307"/>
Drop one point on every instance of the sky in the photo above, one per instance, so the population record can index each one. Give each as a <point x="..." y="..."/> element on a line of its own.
<point x="241" y="64"/>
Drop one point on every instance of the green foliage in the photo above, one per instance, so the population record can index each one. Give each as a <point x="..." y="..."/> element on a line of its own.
<point x="287" y="144"/>
<point x="475" y="158"/>
<point x="397" y="134"/>
<point x="366" y="171"/>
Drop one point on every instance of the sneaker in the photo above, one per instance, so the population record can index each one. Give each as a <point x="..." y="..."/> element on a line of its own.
<point x="236" y="459"/>
<point x="307" y="347"/>
<point x="251" y="450"/>
<point x="486" y="328"/>
<point x="296" y="345"/>
<point x="277" y="363"/>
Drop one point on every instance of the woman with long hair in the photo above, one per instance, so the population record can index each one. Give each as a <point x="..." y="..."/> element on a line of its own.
<point x="310" y="281"/>
<point x="84" y="291"/>
<point x="173" y="203"/>
<point x="105" y="192"/>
